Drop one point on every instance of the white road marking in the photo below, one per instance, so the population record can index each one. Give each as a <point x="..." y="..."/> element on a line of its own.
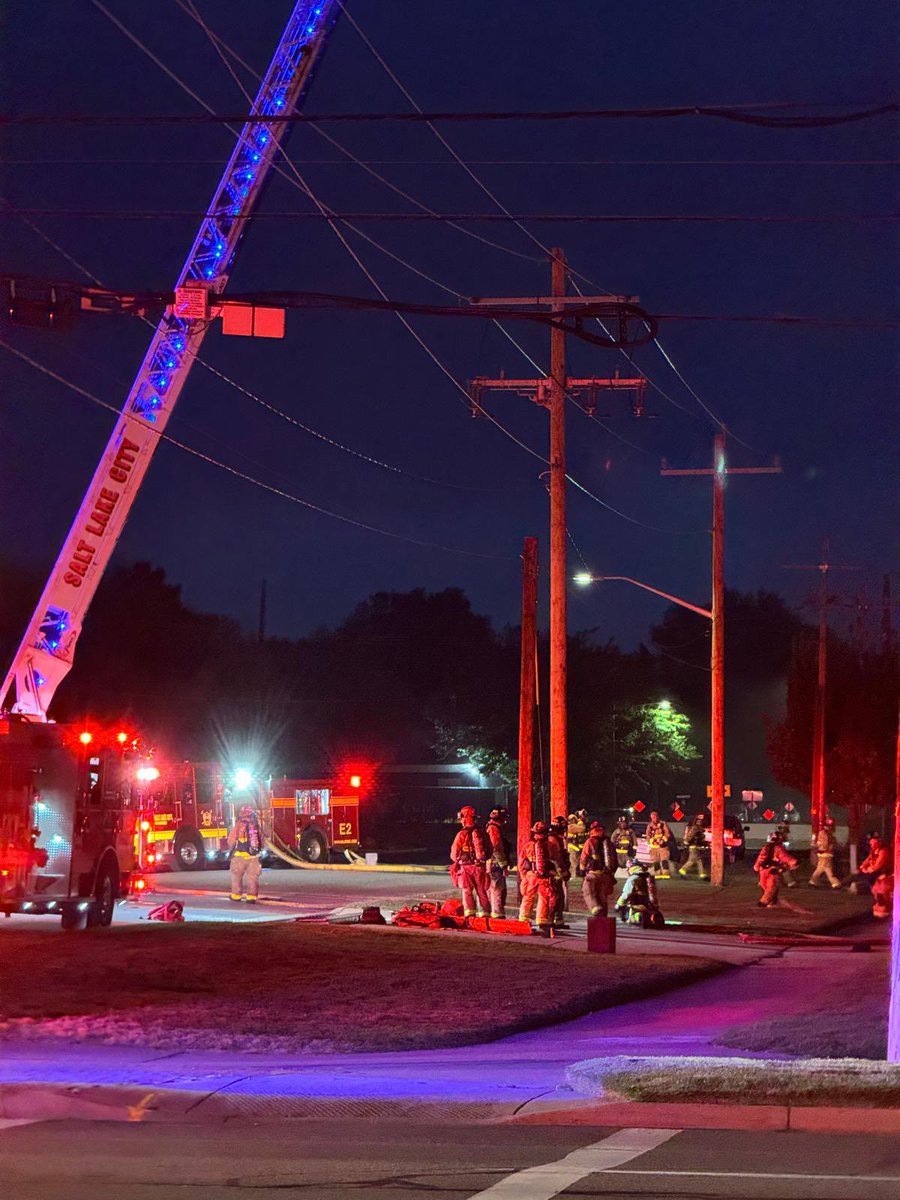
<point x="761" y="1175"/>
<point x="549" y="1179"/>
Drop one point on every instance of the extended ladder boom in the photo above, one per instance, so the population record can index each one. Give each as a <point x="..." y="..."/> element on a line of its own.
<point x="45" y="655"/>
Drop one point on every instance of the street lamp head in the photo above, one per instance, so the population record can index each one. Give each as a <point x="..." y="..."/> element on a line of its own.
<point x="583" y="578"/>
<point x="664" y="705"/>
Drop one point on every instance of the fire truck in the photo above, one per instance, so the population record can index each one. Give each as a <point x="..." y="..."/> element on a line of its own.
<point x="68" y="819"/>
<point x="186" y="810"/>
<point x="87" y="794"/>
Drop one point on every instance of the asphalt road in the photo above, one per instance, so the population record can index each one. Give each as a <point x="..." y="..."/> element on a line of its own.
<point x="71" y="1160"/>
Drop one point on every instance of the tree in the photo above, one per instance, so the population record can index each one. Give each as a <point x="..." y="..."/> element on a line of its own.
<point x="644" y="747"/>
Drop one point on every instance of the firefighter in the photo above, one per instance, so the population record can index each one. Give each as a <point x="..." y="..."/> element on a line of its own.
<point x="874" y="868"/>
<point x="576" y="836"/>
<point x="469" y="856"/>
<point x="245" y="840"/>
<point x="535" y="884"/>
<point x="557" y="845"/>
<point x="500" y="860"/>
<point x="624" y="841"/>
<point x="639" y="901"/>
<point x="883" y="895"/>
<point x="695" y="844"/>
<point x="824" y="845"/>
<point x="598" y="866"/>
<point x="658" y="836"/>
<point x="770" y="863"/>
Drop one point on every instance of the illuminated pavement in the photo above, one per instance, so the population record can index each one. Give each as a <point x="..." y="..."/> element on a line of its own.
<point x="510" y="1072"/>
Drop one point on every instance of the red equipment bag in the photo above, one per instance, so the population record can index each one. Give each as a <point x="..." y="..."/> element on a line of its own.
<point x="601" y="935"/>
<point x="500" y="925"/>
<point x="424" y="915"/>
<point x="173" y="911"/>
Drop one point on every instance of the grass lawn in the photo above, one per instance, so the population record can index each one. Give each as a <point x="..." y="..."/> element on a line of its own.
<point x="836" y="1024"/>
<point x="740" y="1081"/>
<point x="804" y="909"/>
<point x="293" y="987"/>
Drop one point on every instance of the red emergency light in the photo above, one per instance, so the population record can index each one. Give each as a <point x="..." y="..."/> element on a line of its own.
<point x="85" y="737"/>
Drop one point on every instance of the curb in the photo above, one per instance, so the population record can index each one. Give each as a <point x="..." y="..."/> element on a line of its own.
<point x="62" y="1102"/>
<point x="129" y="1103"/>
<point x="758" y="1117"/>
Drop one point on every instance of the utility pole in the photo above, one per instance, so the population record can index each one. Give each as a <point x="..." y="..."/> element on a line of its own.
<point x="817" y="786"/>
<point x="527" y="691"/>
<point x="893" y="1049"/>
<point x="552" y="393"/>
<point x="718" y="471"/>
<point x="558" y="549"/>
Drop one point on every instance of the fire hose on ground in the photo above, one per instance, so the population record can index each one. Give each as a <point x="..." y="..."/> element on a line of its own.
<point x="277" y="847"/>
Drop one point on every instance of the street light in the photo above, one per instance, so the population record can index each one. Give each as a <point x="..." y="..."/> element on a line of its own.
<point x="717" y="741"/>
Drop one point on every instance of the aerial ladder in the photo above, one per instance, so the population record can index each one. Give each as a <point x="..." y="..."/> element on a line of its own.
<point x="46" y="653"/>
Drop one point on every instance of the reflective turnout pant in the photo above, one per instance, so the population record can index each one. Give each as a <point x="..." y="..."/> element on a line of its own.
<point x="825" y="866"/>
<point x="473" y="883"/>
<point x="245" y="872"/>
<point x="497" y="881"/>
<point x="596" y="890"/>
<point x="770" y="882"/>
<point x="695" y="860"/>
<point x="540" y="892"/>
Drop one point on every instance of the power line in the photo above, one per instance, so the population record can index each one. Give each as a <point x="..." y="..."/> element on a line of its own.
<point x="741" y="113"/>
<point x="249" y="478"/>
<point x="471" y="162"/>
<point x="455" y="217"/>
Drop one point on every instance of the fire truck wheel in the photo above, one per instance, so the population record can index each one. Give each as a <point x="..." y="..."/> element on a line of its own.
<point x="313" y="846"/>
<point x="189" y="852"/>
<point x="106" y="892"/>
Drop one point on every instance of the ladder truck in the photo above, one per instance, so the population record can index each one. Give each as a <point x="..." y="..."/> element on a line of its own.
<point x="84" y="866"/>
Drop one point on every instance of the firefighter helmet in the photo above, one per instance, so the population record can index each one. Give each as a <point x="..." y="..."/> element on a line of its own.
<point x="597" y="827"/>
<point x="466" y="813"/>
<point x="539" y="827"/>
<point x="499" y="814"/>
<point x="829" y="822"/>
<point x="775" y="837"/>
<point x="247" y="812"/>
<point x="623" y="820"/>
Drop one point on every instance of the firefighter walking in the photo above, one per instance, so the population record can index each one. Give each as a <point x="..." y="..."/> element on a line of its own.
<point x="771" y="862"/>
<point x="245" y="840"/>
<point x="624" y="842"/>
<point x="658" y="836"/>
<point x="469" y="856"/>
<point x="695" y="844"/>
<point x="598" y="866"/>
<point x="535" y="881"/>
<point x="500" y="860"/>
<point x="824" y="844"/>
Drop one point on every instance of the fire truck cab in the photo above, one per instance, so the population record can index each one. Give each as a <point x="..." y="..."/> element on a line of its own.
<point x="184" y="815"/>
<point x="68" y="814"/>
<point x="310" y="817"/>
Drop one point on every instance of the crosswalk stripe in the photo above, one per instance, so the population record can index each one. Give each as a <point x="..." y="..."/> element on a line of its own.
<point x="547" y="1180"/>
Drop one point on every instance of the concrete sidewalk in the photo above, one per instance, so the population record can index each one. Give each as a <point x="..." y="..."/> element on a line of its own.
<point x="501" y="1080"/>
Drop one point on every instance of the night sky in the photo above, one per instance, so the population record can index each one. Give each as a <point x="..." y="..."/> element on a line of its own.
<point x="821" y="399"/>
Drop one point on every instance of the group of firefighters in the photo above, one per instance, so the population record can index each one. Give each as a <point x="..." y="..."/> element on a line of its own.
<point x="774" y="866"/>
<point x="481" y="859"/>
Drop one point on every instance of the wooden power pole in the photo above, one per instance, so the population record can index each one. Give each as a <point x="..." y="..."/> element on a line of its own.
<point x="559" y="582"/>
<point x="718" y="471"/>
<point x="527" y="689"/>
<point x="552" y="393"/>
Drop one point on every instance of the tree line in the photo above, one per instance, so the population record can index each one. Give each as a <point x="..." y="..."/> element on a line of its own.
<point x="417" y="676"/>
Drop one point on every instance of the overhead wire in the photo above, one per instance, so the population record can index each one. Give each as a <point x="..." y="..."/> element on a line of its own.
<point x="257" y="399"/>
<point x="308" y="504"/>
<point x="741" y="113"/>
<point x="472" y="162"/>
<point x="333" y="223"/>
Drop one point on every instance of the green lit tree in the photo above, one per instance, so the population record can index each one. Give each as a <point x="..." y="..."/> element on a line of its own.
<point x="641" y="748"/>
